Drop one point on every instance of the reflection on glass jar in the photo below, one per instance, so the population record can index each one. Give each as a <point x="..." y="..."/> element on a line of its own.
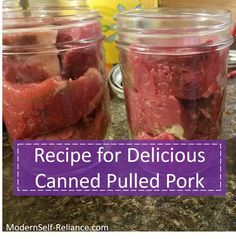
<point x="54" y="82"/>
<point x="174" y="65"/>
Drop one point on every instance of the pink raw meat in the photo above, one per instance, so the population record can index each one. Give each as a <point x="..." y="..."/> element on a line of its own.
<point x="78" y="33"/>
<point x="37" y="108"/>
<point x="91" y="128"/>
<point x="175" y="90"/>
<point x="67" y="133"/>
<point x="31" y="66"/>
<point x="188" y="77"/>
<point x="43" y="38"/>
<point x="154" y="115"/>
<point x="233" y="31"/>
<point x="79" y="56"/>
<point x="75" y="62"/>
<point x="28" y="69"/>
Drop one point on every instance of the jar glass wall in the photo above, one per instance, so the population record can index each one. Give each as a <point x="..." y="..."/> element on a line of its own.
<point x="54" y="81"/>
<point x="174" y="65"/>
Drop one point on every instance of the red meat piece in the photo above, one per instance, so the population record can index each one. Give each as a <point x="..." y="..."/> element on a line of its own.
<point x="188" y="77"/>
<point x="43" y="38"/>
<point x="92" y="128"/>
<point x="75" y="62"/>
<point x="67" y="133"/>
<point x="154" y="115"/>
<point x="164" y="111"/>
<point x="79" y="33"/>
<point x="233" y="31"/>
<point x="37" y="108"/>
<point x="82" y="56"/>
<point x="132" y="108"/>
<point x="148" y="77"/>
<point x="28" y="69"/>
<point x="31" y="67"/>
<point x="186" y="90"/>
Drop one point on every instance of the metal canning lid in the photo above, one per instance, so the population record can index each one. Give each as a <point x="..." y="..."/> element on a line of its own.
<point x="115" y="81"/>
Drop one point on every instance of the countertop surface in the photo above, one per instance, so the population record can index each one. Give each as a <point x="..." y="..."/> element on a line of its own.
<point x="131" y="213"/>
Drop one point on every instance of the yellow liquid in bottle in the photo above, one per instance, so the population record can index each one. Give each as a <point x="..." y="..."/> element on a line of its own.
<point x="108" y="10"/>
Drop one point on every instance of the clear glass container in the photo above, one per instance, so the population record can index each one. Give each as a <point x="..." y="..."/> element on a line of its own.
<point x="174" y="65"/>
<point x="54" y="80"/>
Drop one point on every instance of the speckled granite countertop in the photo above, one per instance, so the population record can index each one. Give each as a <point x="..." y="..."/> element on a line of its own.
<point x="132" y="213"/>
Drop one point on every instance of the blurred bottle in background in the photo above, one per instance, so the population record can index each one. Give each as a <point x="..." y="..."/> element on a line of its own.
<point x="150" y="3"/>
<point x="57" y="3"/>
<point x="108" y="12"/>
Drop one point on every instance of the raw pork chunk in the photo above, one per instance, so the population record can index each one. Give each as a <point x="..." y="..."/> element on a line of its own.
<point x="189" y="77"/>
<point x="31" y="66"/>
<point x="82" y="56"/>
<point x="37" y="108"/>
<point x="170" y="97"/>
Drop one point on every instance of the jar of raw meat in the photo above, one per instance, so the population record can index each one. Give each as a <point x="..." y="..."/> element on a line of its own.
<point x="54" y="81"/>
<point x="174" y="65"/>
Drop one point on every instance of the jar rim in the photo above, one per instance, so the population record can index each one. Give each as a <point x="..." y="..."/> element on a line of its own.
<point x="178" y="12"/>
<point x="160" y="26"/>
<point x="36" y="19"/>
<point x="175" y="18"/>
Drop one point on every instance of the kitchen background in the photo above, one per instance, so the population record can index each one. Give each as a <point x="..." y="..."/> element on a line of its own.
<point x="133" y="213"/>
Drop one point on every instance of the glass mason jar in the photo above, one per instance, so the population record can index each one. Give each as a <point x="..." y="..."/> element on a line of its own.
<point x="174" y="64"/>
<point x="54" y="81"/>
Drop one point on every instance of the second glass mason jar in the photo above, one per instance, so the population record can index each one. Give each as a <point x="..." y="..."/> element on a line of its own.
<point x="54" y="81"/>
<point x="174" y="65"/>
